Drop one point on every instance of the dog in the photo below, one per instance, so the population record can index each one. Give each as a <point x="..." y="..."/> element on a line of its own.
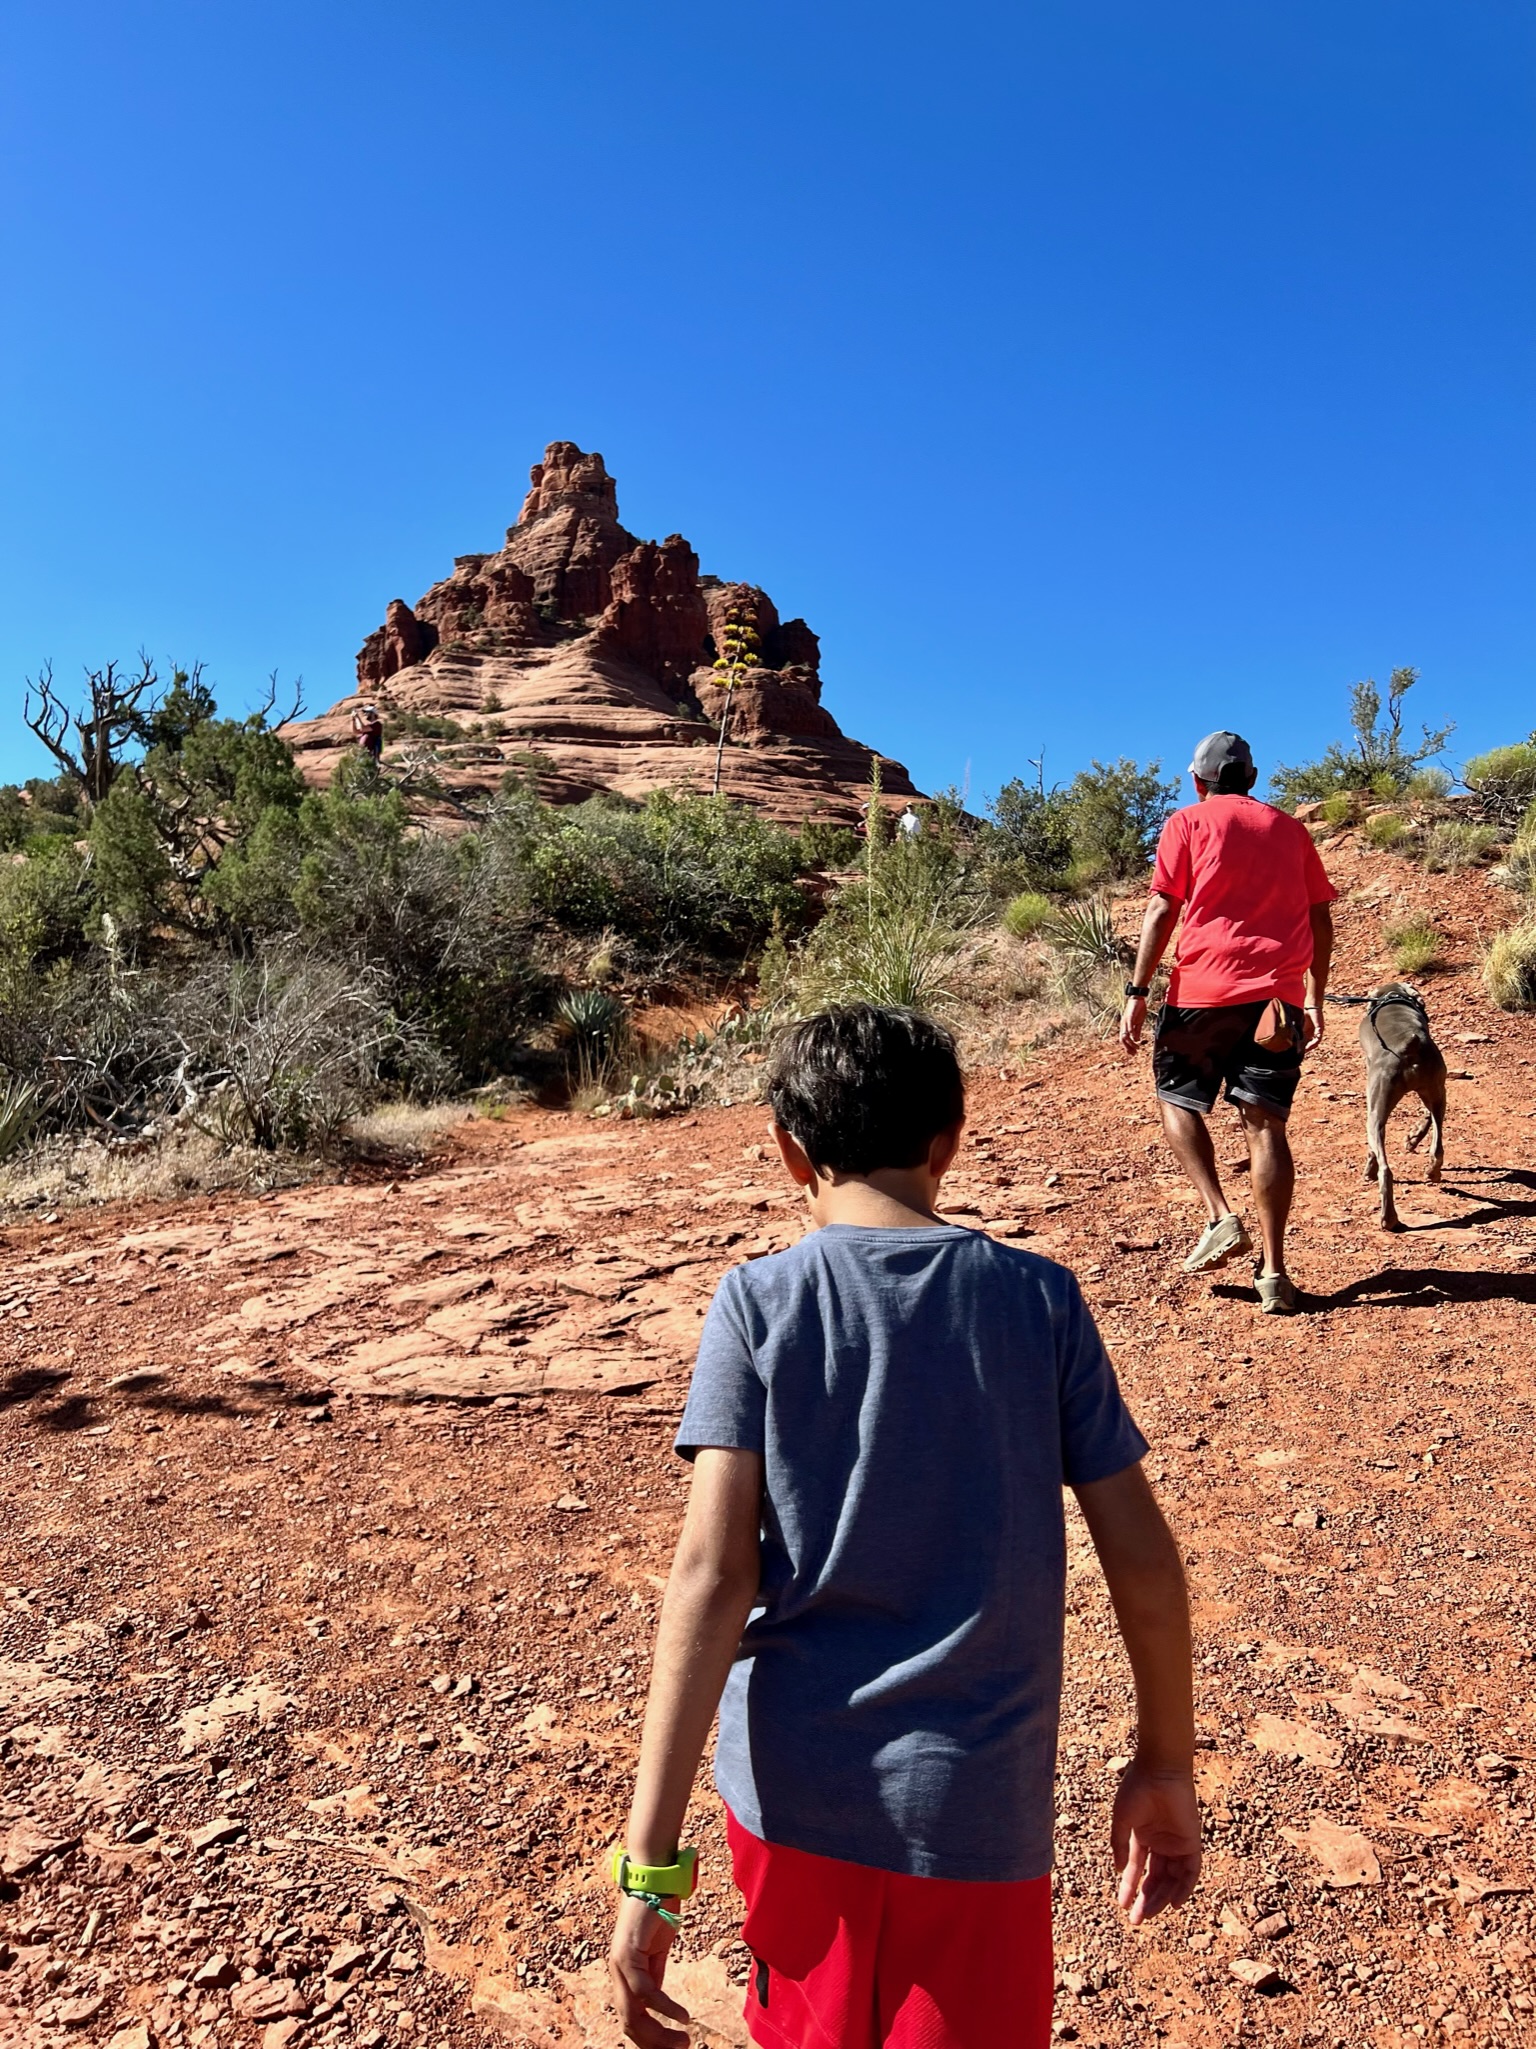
<point x="1400" y="1057"/>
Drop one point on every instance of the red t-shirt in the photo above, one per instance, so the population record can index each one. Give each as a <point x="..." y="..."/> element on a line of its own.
<point x="1247" y="876"/>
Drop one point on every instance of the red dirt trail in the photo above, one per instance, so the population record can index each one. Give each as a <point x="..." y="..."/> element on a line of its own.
<point x="337" y="1522"/>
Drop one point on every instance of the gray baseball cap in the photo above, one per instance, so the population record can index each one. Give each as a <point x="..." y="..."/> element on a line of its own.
<point x="1218" y="751"/>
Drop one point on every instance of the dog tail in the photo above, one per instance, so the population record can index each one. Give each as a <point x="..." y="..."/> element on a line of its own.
<point x="1331" y="998"/>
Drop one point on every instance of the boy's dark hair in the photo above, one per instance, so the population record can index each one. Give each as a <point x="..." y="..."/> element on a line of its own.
<point x="1235" y="779"/>
<point x="861" y="1087"/>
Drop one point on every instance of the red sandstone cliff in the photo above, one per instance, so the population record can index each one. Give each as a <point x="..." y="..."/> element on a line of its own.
<point x="593" y="651"/>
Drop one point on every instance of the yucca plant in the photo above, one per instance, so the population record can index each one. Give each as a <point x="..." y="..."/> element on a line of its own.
<point x="1086" y="932"/>
<point x="1092" y="957"/>
<point x="21" y="1105"/>
<point x="595" y="1028"/>
<point x="737" y="658"/>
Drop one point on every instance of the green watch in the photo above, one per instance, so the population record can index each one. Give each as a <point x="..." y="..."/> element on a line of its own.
<point x="653" y="1882"/>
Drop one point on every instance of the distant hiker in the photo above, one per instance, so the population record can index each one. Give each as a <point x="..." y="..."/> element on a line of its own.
<point x="368" y="730"/>
<point x="872" y="1568"/>
<point x="1245" y="998"/>
<point x="909" y="825"/>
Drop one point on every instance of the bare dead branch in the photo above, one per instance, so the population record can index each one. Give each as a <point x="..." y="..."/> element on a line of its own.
<point x="295" y="711"/>
<point x="50" y="722"/>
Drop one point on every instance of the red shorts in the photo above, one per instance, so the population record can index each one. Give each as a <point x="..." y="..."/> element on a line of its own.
<point x="847" y="1957"/>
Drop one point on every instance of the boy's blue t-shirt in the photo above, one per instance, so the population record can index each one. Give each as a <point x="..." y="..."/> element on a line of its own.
<point x="920" y="1397"/>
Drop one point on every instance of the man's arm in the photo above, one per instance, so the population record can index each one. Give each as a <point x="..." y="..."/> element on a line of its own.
<point x="713" y="1584"/>
<point x="1155" y="1828"/>
<point x="1156" y="931"/>
<point x="1317" y="974"/>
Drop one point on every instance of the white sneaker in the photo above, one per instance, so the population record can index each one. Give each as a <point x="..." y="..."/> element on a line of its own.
<point x="1219" y="1242"/>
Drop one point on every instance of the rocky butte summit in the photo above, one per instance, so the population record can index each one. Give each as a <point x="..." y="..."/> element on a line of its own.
<point x="584" y="657"/>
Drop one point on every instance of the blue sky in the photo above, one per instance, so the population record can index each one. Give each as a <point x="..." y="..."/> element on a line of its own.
<point x="1089" y="374"/>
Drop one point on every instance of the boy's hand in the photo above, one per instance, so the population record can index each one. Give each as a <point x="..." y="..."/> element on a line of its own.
<point x="1154" y="1835"/>
<point x="637" y="1960"/>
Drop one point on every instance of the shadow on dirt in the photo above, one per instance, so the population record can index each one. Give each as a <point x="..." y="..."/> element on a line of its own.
<point x="28" y="1382"/>
<point x="1422" y="1287"/>
<point x="147" y="1390"/>
<point x="1404" y="1287"/>
<point x="75" y="1412"/>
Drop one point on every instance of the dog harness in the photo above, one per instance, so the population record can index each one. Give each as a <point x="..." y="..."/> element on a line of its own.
<point x="1407" y="999"/>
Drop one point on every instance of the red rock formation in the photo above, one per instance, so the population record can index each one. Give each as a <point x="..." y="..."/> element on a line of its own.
<point x="566" y="477"/>
<point x="788" y="646"/>
<point x="488" y="604"/>
<point x="399" y="643"/>
<point x="568" y="536"/>
<point x="657" y="614"/>
<point x="588" y="653"/>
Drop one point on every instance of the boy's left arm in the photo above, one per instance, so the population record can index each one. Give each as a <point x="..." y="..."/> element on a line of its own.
<point x="1155" y="1828"/>
<point x="711" y="1591"/>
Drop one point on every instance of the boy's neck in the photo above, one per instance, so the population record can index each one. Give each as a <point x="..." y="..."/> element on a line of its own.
<point x="891" y="1199"/>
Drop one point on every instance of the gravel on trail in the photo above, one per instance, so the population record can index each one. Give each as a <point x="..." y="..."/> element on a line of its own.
<point x="337" y="1522"/>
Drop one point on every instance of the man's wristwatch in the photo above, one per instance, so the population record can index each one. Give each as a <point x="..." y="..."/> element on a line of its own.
<point x="1138" y="988"/>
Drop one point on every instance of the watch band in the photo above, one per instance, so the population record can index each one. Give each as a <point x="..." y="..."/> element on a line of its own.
<point x="1138" y="988"/>
<point x="667" y="1881"/>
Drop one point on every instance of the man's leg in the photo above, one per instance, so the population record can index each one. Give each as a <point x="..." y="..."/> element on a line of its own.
<point x="1189" y="1139"/>
<point x="1274" y="1179"/>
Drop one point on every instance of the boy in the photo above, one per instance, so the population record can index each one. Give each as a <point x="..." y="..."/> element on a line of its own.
<point x="872" y="1569"/>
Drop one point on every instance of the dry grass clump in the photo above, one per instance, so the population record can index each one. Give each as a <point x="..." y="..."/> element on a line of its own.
<point x="71" y="1173"/>
<point x="1388" y="832"/>
<point x="1455" y="844"/>
<point x="404" y="1130"/>
<point x="1415" y="945"/>
<point x="1509" y="967"/>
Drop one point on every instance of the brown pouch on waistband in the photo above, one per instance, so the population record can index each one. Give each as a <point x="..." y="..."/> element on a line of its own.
<point x="1274" y="1032"/>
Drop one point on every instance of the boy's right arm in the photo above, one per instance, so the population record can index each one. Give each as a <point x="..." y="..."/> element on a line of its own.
<point x="1155" y="1830"/>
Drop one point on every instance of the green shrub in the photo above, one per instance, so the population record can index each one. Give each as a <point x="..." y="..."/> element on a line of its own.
<point x="1386" y="831"/>
<point x="1504" y="781"/>
<point x="689" y="871"/>
<point x="1378" y="758"/>
<point x="281" y="1050"/>
<point x="895" y="936"/>
<point x="827" y="846"/>
<point x="1414" y="945"/>
<point x="1027" y="836"/>
<point x="44" y="807"/>
<point x="1518" y="868"/>
<point x="1026" y="913"/>
<point x="1509" y="967"/>
<point x="1454" y="844"/>
<point x="1428" y="786"/>
<point x="420" y="725"/>
<point x="870" y="948"/>
<point x="1117" y="810"/>
<point x="45" y="903"/>
<point x="130" y="868"/>
<point x="1341" y="808"/>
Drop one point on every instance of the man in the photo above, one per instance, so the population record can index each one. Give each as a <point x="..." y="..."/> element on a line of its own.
<point x="1245" y="998"/>
<point x="368" y="730"/>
